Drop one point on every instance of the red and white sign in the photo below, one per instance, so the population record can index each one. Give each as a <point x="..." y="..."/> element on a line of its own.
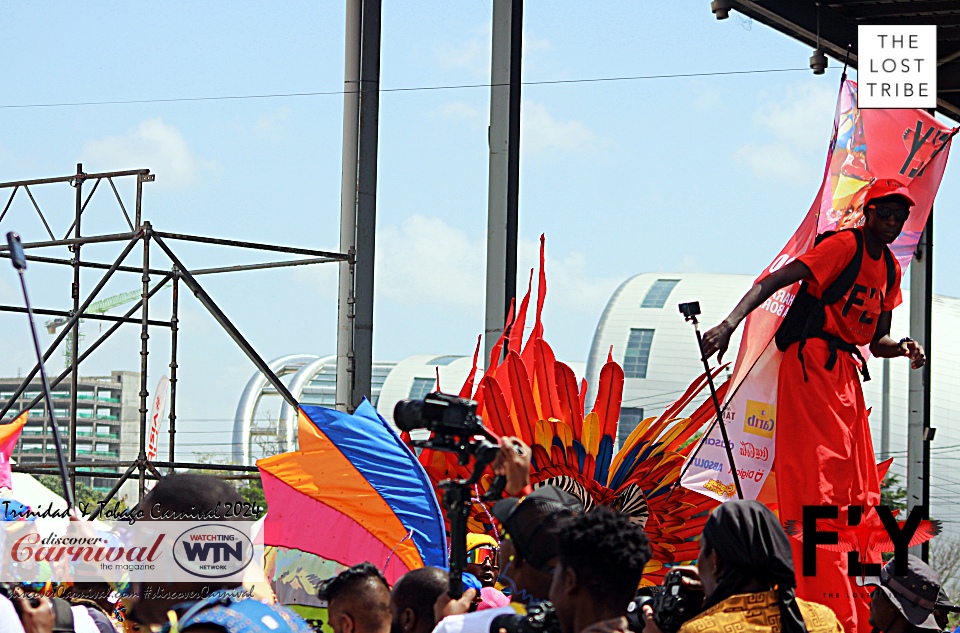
<point x="157" y="411"/>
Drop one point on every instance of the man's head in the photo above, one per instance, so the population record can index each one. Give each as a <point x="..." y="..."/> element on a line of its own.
<point x="179" y="497"/>
<point x="358" y="600"/>
<point x="886" y="208"/>
<point x="482" y="554"/>
<point x="905" y="603"/>
<point x="601" y="559"/>
<point x="412" y="598"/>
<point x="528" y="548"/>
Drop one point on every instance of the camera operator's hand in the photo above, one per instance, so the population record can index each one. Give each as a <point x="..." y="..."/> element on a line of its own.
<point x="36" y="619"/>
<point x="513" y="460"/>
<point x="649" y="626"/>
<point x="445" y="605"/>
<point x="717" y="339"/>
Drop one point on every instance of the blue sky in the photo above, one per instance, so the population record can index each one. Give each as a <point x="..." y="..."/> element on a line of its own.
<point x="707" y="174"/>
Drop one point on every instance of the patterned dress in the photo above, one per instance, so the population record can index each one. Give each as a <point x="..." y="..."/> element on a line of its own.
<point x="759" y="613"/>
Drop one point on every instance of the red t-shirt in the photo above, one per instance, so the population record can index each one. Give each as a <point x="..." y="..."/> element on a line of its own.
<point x="854" y="317"/>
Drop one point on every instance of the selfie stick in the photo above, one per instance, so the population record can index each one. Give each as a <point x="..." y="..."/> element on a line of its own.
<point x="20" y="263"/>
<point x="690" y="312"/>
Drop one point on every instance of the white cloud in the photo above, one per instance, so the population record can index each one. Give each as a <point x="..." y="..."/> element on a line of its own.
<point x="804" y="118"/>
<point x="424" y="260"/>
<point x="797" y="129"/>
<point x="458" y="110"/>
<point x="540" y="130"/>
<point x="270" y="127"/>
<point x="777" y="161"/>
<point x="154" y="145"/>
<point x="427" y="260"/>
<point x="474" y="54"/>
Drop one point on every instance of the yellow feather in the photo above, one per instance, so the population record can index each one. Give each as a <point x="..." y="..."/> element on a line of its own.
<point x="544" y="435"/>
<point x="591" y="434"/>
<point x="563" y="431"/>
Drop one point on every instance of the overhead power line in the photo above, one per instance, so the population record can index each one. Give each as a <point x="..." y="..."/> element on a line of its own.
<point x="282" y="95"/>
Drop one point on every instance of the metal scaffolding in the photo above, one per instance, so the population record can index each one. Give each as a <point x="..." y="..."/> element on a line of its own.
<point x="152" y="279"/>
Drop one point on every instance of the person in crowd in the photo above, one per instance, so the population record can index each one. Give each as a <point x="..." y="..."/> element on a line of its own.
<point x="746" y="572"/>
<point x="482" y="553"/>
<point x="358" y="600"/>
<point x="945" y="606"/>
<point x="10" y="619"/>
<point x="900" y="604"/>
<point x="528" y="547"/>
<point x="822" y="432"/>
<point x="601" y="559"/>
<point x="225" y="607"/>
<point x="412" y="599"/>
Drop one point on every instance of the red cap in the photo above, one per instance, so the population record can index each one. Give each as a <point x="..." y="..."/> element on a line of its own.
<point x="884" y="187"/>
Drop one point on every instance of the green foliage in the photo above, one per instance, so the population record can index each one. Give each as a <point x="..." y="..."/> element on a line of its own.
<point x="250" y="489"/>
<point x="893" y="494"/>
<point x="87" y="496"/>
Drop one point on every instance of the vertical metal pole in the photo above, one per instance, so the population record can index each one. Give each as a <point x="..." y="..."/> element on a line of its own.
<point x="174" y="329"/>
<point x="918" y="398"/>
<point x="139" y="198"/>
<point x="75" y="342"/>
<point x="348" y="205"/>
<point x="504" y="179"/>
<point x="144" y="338"/>
<point x="366" y="201"/>
<point x="885" y="413"/>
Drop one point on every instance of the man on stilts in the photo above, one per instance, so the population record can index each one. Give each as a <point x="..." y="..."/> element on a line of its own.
<point x="824" y="452"/>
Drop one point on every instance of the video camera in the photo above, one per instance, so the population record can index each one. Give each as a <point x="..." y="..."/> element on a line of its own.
<point x="455" y="428"/>
<point x="455" y="425"/>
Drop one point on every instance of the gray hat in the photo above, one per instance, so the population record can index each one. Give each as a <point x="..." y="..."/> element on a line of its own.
<point x="914" y="595"/>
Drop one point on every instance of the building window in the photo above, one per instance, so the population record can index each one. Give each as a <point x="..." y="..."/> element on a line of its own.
<point x="656" y="297"/>
<point x="630" y="417"/>
<point x="421" y="387"/>
<point x="638" y="353"/>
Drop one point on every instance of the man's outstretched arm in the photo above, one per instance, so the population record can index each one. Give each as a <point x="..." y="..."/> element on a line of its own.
<point x="717" y="339"/>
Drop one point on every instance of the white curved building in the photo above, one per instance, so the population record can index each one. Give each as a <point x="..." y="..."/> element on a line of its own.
<point x="648" y="336"/>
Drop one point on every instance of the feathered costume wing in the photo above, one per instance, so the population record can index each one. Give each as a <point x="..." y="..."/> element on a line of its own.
<point x="533" y="396"/>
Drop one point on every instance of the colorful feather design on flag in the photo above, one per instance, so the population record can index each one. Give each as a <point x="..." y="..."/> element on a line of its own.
<point x="532" y="396"/>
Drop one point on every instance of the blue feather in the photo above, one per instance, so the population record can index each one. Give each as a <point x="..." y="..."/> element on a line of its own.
<point x="604" y="455"/>
<point x="627" y="465"/>
<point x="581" y="453"/>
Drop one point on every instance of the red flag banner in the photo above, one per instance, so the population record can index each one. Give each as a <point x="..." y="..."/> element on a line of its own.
<point x="906" y="145"/>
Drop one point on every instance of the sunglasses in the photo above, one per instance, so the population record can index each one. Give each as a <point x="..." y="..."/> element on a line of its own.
<point x="480" y="555"/>
<point x="899" y="213"/>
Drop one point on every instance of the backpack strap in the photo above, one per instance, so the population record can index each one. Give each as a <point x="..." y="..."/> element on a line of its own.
<point x="837" y="289"/>
<point x="891" y="268"/>
<point x="63" y="616"/>
<point x="848" y="276"/>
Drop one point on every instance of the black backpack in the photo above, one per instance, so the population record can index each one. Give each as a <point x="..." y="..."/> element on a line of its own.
<point x="807" y="314"/>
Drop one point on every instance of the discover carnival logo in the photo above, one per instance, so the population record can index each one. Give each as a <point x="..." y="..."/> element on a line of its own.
<point x="213" y="551"/>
